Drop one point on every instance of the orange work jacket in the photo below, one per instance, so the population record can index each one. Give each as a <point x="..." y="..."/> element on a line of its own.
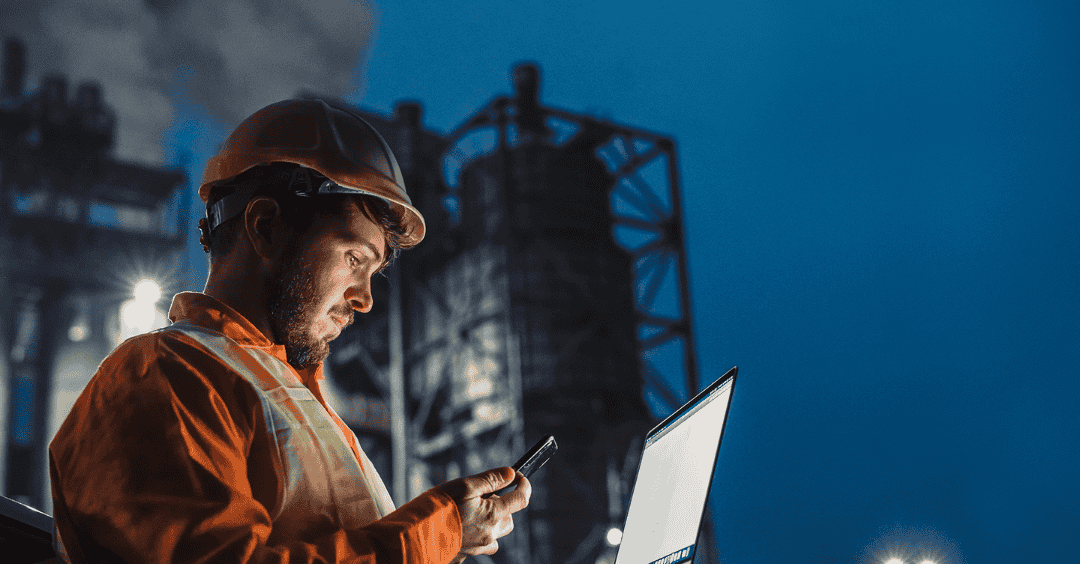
<point x="200" y="443"/>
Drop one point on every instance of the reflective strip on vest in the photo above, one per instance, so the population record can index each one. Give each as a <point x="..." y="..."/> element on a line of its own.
<point x="322" y="479"/>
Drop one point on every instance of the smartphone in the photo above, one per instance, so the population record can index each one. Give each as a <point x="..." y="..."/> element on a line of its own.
<point x="537" y="456"/>
<point x="532" y="461"/>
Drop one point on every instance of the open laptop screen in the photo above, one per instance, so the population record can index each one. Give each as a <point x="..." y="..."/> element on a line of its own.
<point x="673" y="480"/>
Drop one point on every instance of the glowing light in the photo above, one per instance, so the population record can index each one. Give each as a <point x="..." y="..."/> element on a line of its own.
<point x="490" y="412"/>
<point x="479" y="388"/>
<point x="147" y="291"/>
<point x="137" y="317"/>
<point x="912" y="545"/>
<point x="614" y="536"/>
<point x="140" y="315"/>
<point x="80" y="323"/>
<point x="78" y="333"/>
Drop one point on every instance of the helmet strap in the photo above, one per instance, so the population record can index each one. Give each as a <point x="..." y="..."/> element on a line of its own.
<point x="306" y="182"/>
<point x="229" y="207"/>
<point x="301" y="182"/>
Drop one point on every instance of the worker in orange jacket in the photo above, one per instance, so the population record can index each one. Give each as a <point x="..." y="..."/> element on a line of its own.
<point x="211" y="440"/>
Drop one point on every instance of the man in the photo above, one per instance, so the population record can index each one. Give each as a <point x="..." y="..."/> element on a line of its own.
<point x="210" y="440"/>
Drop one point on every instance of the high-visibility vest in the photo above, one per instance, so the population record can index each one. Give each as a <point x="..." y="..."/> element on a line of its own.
<point x="323" y="483"/>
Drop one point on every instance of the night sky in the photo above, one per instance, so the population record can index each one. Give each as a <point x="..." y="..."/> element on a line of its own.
<point x="883" y="222"/>
<point x="882" y="217"/>
<point x="883" y="227"/>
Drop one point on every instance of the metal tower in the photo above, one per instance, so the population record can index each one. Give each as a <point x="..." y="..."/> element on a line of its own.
<point x="591" y="228"/>
<point x="76" y="230"/>
<point x="549" y="297"/>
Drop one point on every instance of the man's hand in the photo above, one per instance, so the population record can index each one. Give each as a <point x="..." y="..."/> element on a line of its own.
<point x="485" y="518"/>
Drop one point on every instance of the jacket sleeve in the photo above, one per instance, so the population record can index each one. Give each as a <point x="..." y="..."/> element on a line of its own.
<point x="151" y="466"/>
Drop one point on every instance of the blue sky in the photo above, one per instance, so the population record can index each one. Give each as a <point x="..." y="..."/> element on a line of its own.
<point x="883" y="228"/>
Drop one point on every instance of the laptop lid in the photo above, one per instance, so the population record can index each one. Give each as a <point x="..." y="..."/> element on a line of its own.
<point x="673" y="479"/>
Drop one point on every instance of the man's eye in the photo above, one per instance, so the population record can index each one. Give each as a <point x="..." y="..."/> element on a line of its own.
<point x="353" y="261"/>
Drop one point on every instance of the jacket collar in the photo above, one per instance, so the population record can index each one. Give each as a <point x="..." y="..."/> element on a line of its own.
<point x="208" y="312"/>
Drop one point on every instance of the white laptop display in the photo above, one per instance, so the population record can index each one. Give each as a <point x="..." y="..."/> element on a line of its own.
<point x="673" y="479"/>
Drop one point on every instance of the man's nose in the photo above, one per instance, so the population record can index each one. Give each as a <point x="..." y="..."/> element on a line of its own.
<point x="359" y="296"/>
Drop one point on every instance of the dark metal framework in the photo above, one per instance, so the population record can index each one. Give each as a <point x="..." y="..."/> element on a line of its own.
<point x="647" y="221"/>
<point x="550" y="295"/>
<point x="513" y="142"/>
<point x="77" y="228"/>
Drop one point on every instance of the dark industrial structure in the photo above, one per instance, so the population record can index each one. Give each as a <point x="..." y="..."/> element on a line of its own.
<point x="77" y="229"/>
<point x="550" y="285"/>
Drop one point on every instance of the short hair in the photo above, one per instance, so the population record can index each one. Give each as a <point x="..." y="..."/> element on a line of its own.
<point x="298" y="212"/>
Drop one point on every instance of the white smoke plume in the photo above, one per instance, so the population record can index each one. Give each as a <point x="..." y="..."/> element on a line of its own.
<point x="227" y="57"/>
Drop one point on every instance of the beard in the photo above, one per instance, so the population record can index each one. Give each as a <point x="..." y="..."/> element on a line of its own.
<point x="293" y="310"/>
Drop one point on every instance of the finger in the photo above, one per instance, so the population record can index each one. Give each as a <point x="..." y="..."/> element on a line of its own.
<point x="489" y="482"/>
<point x="518" y="499"/>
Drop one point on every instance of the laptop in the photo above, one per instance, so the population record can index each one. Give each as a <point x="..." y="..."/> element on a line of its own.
<point x="676" y="470"/>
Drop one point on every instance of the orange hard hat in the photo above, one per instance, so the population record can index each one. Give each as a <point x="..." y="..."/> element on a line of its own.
<point x="330" y="140"/>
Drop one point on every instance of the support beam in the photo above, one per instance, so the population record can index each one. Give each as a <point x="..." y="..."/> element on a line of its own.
<point x="399" y="434"/>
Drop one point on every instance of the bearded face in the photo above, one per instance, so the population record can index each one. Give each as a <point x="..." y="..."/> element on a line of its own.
<point x="319" y="280"/>
<point x="297" y="303"/>
<point x="292" y="300"/>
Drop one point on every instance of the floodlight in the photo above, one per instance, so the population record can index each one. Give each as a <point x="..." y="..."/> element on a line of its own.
<point x="136" y="317"/>
<point x="140" y="315"/>
<point x="147" y="291"/>
<point x="614" y="536"/>
<point x="894" y="561"/>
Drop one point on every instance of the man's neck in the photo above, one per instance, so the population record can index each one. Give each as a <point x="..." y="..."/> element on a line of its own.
<point x="243" y="290"/>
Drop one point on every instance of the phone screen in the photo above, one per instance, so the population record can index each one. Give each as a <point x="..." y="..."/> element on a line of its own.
<point x="536" y="456"/>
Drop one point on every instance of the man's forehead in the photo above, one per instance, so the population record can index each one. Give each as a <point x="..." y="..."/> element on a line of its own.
<point x="364" y="230"/>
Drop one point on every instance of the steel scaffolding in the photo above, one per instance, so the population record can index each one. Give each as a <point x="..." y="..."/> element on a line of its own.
<point x="550" y="297"/>
<point x="77" y="228"/>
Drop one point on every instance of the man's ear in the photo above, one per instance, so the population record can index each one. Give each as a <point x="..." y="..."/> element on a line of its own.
<point x="263" y="226"/>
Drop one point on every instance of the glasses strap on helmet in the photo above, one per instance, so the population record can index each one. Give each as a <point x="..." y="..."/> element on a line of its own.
<point x="228" y="207"/>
